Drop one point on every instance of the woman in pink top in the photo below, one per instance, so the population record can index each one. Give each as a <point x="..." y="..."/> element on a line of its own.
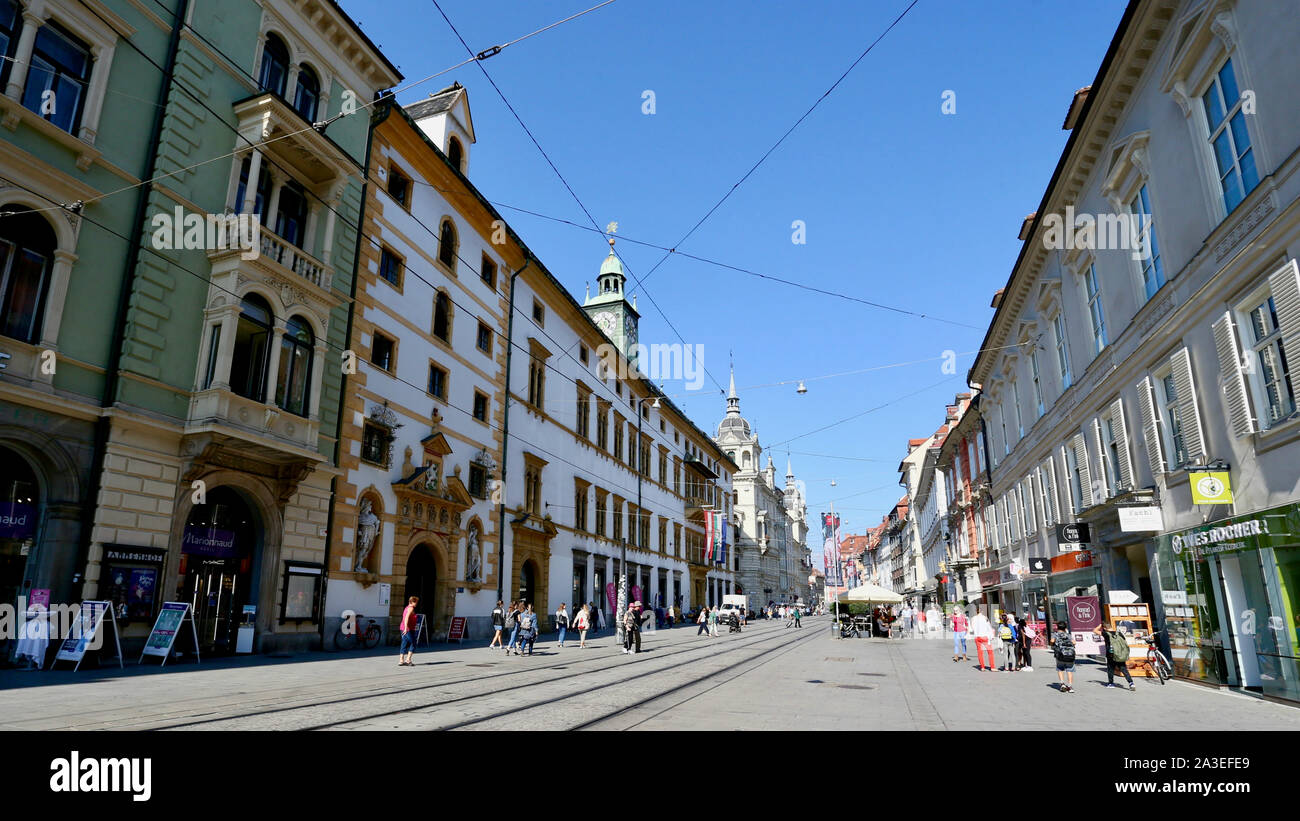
<point x="959" y="635"/>
<point x="409" y="620"/>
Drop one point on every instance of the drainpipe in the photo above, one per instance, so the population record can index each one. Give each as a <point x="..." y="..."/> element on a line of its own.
<point x="104" y="425"/>
<point x="505" y="436"/>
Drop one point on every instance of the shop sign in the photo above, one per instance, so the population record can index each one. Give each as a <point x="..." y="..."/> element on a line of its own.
<point x="17" y="521"/>
<point x="457" y="630"/>
<point x="1084" y="613"/>
<point x="1211" y="488"/>
<point x="1219" y="538"/>
<point x="1173" y="596"/>
<point x="209" y="541"/>
<point x="989" y="578"/>
<point x="1071" y="537"/>
<point x="1141" y="519"/>
<point x="1072" y="561"/>
<point x="1040" y="564"/>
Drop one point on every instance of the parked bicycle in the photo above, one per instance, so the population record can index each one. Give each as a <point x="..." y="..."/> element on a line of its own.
<point x="1156" y="660"/>
<point x="358" y="631"/>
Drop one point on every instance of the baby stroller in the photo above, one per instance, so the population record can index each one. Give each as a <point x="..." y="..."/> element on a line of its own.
<point x="734" y="621"/>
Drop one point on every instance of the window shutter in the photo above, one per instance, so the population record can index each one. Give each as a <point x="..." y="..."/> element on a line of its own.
<point x="1080" y="446"/>
<point x="1121" y="442"/>
<point x="1052" y="498"/>
<point x="1193" y="437"/>
<point x="1234" y="384"/>
<point x="1103" y="487"/>
<point x="1147" y="403"/>
<point x="1285" y="286"/>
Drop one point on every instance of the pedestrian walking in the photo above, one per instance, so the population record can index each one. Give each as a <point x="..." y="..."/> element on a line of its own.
<point x="498" y="622"/>
<point x="713" y="623"/>
<point x="631" y="630"/>
<point x="512" y="624"/>
<point x="797" y="613"/>
<point x="959" y="627"/>
<point x="1063" y="649"/>
<point x="527" y="630"/>
<point x="1025" y="642"/>
<point x="562" y="622"/>
<point x="789" y="617"/>
<point x="982" y="631"/>
<point x="582" y="623"/>
<point x="703" y="621"/>
<point x="1116" y="655"/>
<point x="409" y="620"/>
<point x="1007" y="643"/>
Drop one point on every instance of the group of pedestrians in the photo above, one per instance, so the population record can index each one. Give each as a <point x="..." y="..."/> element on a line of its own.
<point x="1013" y="639"/>
<point x="522" y="624"/>
<point x="792" y="617"/>
<point x="708" y="621"/>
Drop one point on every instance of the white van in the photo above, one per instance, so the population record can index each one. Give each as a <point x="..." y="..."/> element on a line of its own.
<point x="732" y="606"/>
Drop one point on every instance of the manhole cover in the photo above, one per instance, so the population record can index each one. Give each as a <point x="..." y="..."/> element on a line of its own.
<point x="839" y="658"/>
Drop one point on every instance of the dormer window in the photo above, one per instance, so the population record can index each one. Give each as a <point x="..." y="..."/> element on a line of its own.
<point x="456" y="153"/>
<point x="275" y="66"/>
<point x="307" y="95"/>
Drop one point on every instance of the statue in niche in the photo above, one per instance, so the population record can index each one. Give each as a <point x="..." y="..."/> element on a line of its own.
<point x="367" y="531"/>
<point x="474" y="555"/>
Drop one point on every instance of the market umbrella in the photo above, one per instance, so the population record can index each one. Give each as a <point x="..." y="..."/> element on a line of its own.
<point x="871" y="594"/>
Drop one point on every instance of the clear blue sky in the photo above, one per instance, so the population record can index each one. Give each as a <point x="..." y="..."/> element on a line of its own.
<point x="903" y="205"/>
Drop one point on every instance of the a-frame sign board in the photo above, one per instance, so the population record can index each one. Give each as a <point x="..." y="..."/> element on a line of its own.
<point x="170" y="622"/>
<point x="90" y="619"/>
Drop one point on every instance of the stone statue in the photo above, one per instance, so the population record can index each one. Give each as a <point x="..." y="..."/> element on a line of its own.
<point x="367" y="531"/>
<point x="473" y="559"/>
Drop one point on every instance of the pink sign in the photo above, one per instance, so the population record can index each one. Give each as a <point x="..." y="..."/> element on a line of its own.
<point x="611" y="595"/>
<point x="636" y="594"/>
<point x="1085" y="613"/>
<point x="39" y="595"/>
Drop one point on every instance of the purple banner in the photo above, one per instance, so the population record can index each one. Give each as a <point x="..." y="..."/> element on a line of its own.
<point x="17" y="521"/>
<point x="209" y="541"/>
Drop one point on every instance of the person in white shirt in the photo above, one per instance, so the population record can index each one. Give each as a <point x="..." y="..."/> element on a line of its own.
<point x="982" y="631"/>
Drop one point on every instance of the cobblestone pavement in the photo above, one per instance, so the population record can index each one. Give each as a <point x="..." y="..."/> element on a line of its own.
<point x="767" y="677"/>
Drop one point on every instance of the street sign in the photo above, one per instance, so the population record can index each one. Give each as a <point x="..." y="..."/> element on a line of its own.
<point x="1211" y="488"/>
<point x="1040" y="564"/>
<point x="1139" y="519"/>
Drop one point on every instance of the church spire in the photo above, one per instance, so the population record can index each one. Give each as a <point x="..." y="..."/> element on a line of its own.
<point x="733" y="400"/>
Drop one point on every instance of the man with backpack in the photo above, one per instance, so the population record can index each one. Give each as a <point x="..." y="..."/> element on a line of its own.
<point x="1116" y="655"/>
<point x="1025" y="643"/>
<point x="1063" y="649"/>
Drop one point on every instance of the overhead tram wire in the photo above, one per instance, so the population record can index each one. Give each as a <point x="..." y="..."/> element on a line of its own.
<point x="354" y="225"/>
<point x="319" y="126"/>
<point x="865" y="412"/>
<point x="323" y="340"/>
<point x="778" y="143"/>
<point x="569" y="188"/>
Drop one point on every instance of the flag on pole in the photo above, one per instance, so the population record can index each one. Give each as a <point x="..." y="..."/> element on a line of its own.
<point x="831" y="550"/>
<point x="708" y="537"/>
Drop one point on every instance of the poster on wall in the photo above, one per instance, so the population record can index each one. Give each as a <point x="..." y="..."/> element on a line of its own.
<point x="17" y="520"/>
<point x="1084" y="613"/>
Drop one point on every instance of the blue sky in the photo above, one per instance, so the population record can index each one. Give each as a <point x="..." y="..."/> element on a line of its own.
<point x="903" y="205"/>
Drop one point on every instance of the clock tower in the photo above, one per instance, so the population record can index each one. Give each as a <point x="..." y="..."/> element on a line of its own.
<point x="609" y="308"/>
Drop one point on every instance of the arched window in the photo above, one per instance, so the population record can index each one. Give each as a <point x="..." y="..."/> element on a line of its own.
<point x="252" y="345"/>
<point x="263" y="195"/>
<point x="307" y="95"/>
<point x="27" y="244"/>
<point x="291" y="213"/>
<point x="456" y="153"/>
<point x="447" y="244"/>
<point x="293" y="383"/>
<point x="442" y="317"/>
<point x="275" y="66"/>
<point x="744" y="460"/>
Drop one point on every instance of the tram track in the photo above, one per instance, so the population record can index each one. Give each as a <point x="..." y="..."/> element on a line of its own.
<point x="533" y="675"/>
<point x="781" y="643"/>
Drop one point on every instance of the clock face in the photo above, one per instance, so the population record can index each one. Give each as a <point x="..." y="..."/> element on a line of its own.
<point x="606" y="322"/>
<point x="629" y="329"/>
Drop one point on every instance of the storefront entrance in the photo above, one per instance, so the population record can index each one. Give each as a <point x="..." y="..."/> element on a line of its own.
<point x="219" y="552"/>
<point x="19" y="511"/>
<point x="1230" y="596"/>
<point x="528" y="584"/>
